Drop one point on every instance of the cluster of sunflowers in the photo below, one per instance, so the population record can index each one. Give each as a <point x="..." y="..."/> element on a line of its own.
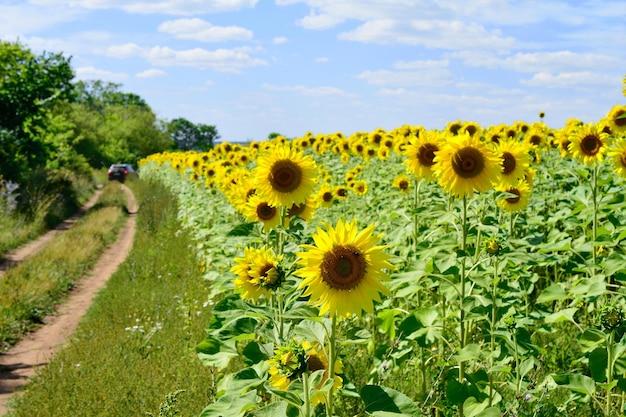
<point x="342" y="272"/>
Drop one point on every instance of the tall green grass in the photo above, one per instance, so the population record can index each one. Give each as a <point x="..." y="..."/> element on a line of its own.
<point x="30" y="291"/>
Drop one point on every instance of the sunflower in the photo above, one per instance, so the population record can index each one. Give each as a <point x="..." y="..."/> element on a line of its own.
<point x="383" y="153"/>
<point x="517" y="196"/>
<point x="264" y="270"/>
<point x="243" y="283"/>
<point x="588" y="143"/>
<point x="472" y="128"/>
<point x="287" y="365"/>
<point x="464" y="165"/>
<point x="454" y="128"/>
<point x="420" y="153"/>
<point x="402" y="183"/>
<point x="285" y="176"/>
<point x="617" y="118"/>
<point x="515" y="160"/>
<point x="295" y="358"/>
<point x="341" y="192"/>
<point x="316" y="360"/>
<point x="259" y="210"/>
<point x="617" y="153"/>
<point x="343" y="271"/>
<point x="359" y="187"/>
<point x="325" y="196"/>
<point x="304" y="211"/>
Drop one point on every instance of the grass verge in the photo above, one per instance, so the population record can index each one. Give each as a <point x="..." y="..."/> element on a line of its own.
<point x="29" y="292"/>
<point x="45" y="212"/>
<point x="134" y="350"/>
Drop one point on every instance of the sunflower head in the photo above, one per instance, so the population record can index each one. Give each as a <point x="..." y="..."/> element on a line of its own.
<point x="287" y="365"/>
<point x="420" y="153"/>
<point x="617" y="118"/>
<point x="617" y="154"/>
<point x="402" y="183"/>
<point x="465" y="164"/>
<point x="326" y="196"/>
<point x="515" y="196"/>
<point x="265" y="270"/>
<point x="514" y="159"/>
<point x="244" y="281"/>
<point x="285" y="176"/>
<point x="588" y="144"/>
<point x="258" y="209"/>
<point x="343" y="272"/>
<point x="304" y="211"/>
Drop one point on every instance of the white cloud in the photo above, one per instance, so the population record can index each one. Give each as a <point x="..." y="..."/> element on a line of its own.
<point x="322" y="60"/>
<point x="427" y="73"/>
<point x="310" y="91"/>
<point x="151" y="73"/>
<point x="172" y="7"/>
<point x="572" y="79"/>
<point x="319" y="21"/>
<point x="553" y="61"/>
<point x="223" y="60"/>
<point x="280" y="40"/>
<point x="126" y="50"/>
<point x="92" y="73"/>
<point x="201" y="30"/>
<point x="440" y="34"/>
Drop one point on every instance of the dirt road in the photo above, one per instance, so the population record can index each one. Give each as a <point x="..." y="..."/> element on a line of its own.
<point x="36" y="349"/>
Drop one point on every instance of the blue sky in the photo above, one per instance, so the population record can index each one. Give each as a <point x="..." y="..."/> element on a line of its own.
<point x="256" y="66"/>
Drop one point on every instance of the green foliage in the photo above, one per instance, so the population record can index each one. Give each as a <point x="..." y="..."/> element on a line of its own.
<point x="190" y="136"/>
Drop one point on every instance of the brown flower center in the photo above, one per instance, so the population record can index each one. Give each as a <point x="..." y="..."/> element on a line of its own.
<point x="342" y="192"/>
<point x="285" y="176"/>
<point x="471" y="129"/>
<point x="377" y="138"/>
<point x="454" y="129"/>
<point x="265" y="211"/>
<point x="359" y="148"/>
<point x="620" y="122"/>
<point x="343" y="268"/>
<point x="468" y="162"/>
<point x="565" y="144"/>
<point x="296" y="209"/>
<point x="508" y="163"/>
<point x="535" y="140"/>
<point x="590" y="145"/>
<point x="314" y="363"/>
<point x="403" y="184"/>
<point x="513" y="200"/>
<point x="426" y="154"/>
<point x="327" y="197"/>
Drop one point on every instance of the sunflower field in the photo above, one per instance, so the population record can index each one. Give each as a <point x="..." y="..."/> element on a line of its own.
<point x="470" y="271"/>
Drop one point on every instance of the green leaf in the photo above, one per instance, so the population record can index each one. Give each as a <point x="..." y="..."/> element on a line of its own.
<point x="240" y="382"/>
<point x="554" y="292"/>
<point x="468" y="353"/>
<point x="472" y="408"/>
<point x="253" y="353"/>
<point x="378" y="398"/>
<point x="231" y="405"/>
<point x="243" y="229"/>
<point x="566" y="314"/>
<point x="577" y="383"/>
<point x="277" y="409"/>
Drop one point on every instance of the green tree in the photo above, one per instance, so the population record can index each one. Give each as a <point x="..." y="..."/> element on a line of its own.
<point x="190" y="136"/>
<point x="30" y="85"/>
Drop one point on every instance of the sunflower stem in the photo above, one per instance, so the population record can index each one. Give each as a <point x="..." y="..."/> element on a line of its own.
<point x="609" y="374"/>
<point x="518" y="381"/>
<point x="492" y="345"/>
<point x="511" y="224"/>
<point x="332" y="357"/>
<point x="594" y="192"/>
<point x="461" y="302"/>
<point x="307" y="399"/>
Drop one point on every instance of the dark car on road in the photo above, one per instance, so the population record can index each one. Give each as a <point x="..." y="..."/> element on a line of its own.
<point x="120" y="172"/>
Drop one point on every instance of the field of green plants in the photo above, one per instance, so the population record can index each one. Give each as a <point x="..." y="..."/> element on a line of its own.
<point x="471" y="271"/>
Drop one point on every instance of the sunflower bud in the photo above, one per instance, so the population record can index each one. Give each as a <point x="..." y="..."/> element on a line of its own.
<point x="492" y="247"/>
<point x="611" y="317"/>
